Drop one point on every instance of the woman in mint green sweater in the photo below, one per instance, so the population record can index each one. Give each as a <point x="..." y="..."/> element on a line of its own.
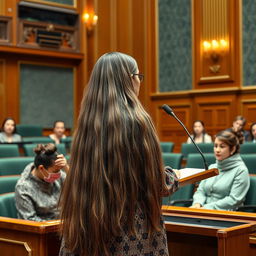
<point x="227" y="190"/>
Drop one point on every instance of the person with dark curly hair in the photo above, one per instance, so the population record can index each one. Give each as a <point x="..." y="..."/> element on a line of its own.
<point x="37" y="191"/>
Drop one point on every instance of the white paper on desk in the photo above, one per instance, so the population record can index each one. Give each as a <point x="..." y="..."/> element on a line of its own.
<point x="186" y="172"/>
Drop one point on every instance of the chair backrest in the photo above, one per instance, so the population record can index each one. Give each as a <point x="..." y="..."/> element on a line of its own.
<point x="8" y="183"/>
<point x="183" y="193"/>
<point x="29" y="149"/>
<point x="38" y="140"/>
<point x="14" y="165"/>
<point x="26" y="130"/>
<point x="248" y="148"/>
<point x="196" y="161"/>
<point x="7" y="205"/>
<point x="189" y="148"/>
<point x="167" y="147"/>
<point x="61" y="148"/>
<point x="172" y="159"/>
<point x="9" y="150"/>
<point x="250" y="198"/>
<point x="250" y="160"/>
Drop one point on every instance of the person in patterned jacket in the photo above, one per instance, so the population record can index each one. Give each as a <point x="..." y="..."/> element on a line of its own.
<point x="111" y="199"/>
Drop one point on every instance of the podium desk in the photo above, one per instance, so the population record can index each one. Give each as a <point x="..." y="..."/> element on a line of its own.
<point x="29" y="238"/>
<point x="197" y="232"/>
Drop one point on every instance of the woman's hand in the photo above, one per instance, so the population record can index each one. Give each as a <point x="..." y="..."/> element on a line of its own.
<point x="61" y="162"/>
<point x="177" y="172"/>
<point x="196" y="206"/>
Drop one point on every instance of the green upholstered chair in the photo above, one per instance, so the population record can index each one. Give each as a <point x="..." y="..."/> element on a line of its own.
<point x="14" y="165"/>
<point x="182" y="197"/>
<point x="61" y="148"/>
<point x="196" y="161"/>
<point x="38" y="140"/>
<point x="167" y="147"/>
<point x="248" y="148"/>
<point x="26" y="130"/>
<point x="9" y="150"/>
<point x="250" y="162"/>
<point x="7" y="205"/>
<point x="172" y="159"/>
<point x="8" y="183"/>
<point x="250" y="199"/>
<point x="67" y="141"/>
<point x="189" y="148"/>
<point x="29" y="149"/>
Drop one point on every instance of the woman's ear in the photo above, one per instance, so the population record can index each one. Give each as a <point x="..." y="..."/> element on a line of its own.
<point x="41" y="167"/>
<point x="233" y="149"/>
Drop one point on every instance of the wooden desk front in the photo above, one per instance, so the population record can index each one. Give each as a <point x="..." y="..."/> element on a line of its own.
<point x="201" y="233"/>
<point x="29" y="238"/>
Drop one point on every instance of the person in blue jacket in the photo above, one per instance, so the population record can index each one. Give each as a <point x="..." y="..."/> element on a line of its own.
<point x="227" y="190"/>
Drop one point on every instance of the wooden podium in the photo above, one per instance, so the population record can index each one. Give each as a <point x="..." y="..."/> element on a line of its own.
<point x="29" y="238"/>
<point x="196" y="177"/>
<point x="195" y="232"/>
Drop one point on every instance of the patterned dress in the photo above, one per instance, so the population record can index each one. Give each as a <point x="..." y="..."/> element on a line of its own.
<point x="142" y="244"/>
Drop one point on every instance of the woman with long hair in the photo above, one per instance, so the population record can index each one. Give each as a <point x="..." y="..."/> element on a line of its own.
<point x="226" y="191"/>
<point x="111" y="200"/>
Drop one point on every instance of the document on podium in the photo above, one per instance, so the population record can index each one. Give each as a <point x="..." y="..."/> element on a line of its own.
<point x="192" y="175"/>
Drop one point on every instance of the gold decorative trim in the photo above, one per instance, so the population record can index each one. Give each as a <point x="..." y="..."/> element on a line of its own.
<point x="2" y="7"/>
<point x="236" y="90"/>
<point x="214" y="77"/>
<point x="215" y="20"/>
<point x="74" y="6"/>
<point x="25" y="244"/>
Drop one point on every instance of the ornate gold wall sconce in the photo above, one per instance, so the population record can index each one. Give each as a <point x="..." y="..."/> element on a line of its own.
<point x="215" y="50"/>
<point x="90" y="20"/>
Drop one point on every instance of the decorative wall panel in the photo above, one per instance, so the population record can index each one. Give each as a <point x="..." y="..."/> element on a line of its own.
<point x="46" y="94"/>
<point x="249" y="42"/>
<point x="175" y="54"/>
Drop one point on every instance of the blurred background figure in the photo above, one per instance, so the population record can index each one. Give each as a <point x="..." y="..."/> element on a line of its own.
<point x="238" y="125"/>
<point x="58" y="131"/>
<point x="253" y="132"/>
<point x="199" y="135"/>
<point x="8" y="131"/>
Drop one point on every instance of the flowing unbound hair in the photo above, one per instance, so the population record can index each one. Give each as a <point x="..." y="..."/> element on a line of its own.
<point x="116" y="162"/>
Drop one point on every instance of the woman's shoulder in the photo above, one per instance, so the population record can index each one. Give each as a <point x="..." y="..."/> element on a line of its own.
<point x="207" y="137"/>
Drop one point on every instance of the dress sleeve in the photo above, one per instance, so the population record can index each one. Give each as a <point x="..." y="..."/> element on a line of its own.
<point x="25" y="206"/>
<point x="171" y="182"/>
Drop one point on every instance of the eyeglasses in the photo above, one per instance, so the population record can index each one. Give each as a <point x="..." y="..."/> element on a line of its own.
<point x="140" y="76"/>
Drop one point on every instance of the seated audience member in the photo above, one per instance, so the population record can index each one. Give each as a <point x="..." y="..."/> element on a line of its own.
<point x="238" y="126"/>
<point x="8" y="132"/>
<point x="37" y="191"/>
<point x="253" y="132"/>
<point x="199" y="135"/>
<point x="59" y="130"/>
<point x="227" y="190"/>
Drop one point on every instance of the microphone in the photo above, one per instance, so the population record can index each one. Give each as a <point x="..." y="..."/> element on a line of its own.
<point x="170" y="112"/>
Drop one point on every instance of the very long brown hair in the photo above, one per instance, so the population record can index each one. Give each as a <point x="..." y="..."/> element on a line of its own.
<point x="116" y="163"/>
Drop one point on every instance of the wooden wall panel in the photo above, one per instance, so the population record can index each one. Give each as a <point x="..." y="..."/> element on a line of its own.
<point x="2" y="89"/>
<point x="216" y="20"/>
<point x="216" y="109"/>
